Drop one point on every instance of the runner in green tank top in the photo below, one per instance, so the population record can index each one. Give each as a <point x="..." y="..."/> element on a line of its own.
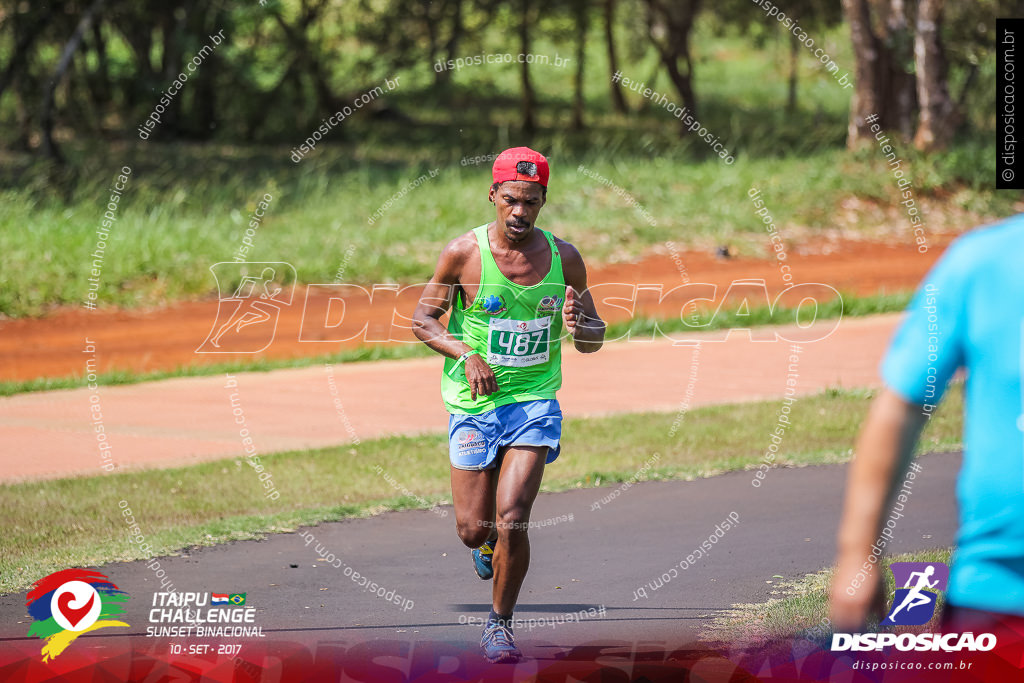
<point x="515" y="292"/>
<point x="511" y="326"/>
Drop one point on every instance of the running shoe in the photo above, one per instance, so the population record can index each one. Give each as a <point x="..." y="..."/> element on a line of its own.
<point x="482" y="560"/>
<point x="497" y="643"/>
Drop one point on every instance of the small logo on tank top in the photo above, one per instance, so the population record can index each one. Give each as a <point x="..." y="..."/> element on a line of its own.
<point x="493" y="304"/>
<point x="549" y="303"/>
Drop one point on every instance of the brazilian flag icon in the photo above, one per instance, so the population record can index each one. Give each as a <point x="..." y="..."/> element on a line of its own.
<point x="237" y="598"/>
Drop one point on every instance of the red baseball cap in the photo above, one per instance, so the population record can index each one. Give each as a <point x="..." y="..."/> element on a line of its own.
<point x="520" y="163"/>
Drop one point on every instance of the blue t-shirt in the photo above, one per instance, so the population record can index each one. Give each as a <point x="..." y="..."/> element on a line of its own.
<point x="969" y="312"/>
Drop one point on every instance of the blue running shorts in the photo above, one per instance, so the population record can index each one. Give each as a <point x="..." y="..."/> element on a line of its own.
<point x="474" y="440"/>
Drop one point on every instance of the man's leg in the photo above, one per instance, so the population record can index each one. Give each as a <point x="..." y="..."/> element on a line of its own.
<point x="473" y="497"/>
<point x="522" y="468"/>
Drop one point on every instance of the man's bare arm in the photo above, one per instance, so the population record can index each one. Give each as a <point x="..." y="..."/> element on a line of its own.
<point x="884" y="450"/>
<point x="435" y="301"/>
<point x="580" y="313"/>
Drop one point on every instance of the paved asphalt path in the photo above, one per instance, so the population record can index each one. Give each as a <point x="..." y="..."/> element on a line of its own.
<point x="600" y="558"/>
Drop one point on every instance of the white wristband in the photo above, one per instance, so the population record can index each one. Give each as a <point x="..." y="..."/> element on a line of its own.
<point x="462" y="359"/>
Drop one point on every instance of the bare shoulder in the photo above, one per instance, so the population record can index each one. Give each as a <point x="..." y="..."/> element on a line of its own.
<point x="455" y="255"/>
<point x="462" y="246"/>
<point x="572" y="260"/>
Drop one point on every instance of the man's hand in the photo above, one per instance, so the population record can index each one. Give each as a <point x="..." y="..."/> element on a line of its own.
<point x="850" y="613"/>
<point x="884" y="449"/>
<point x="572" y="312"/>
<point x="481" y="377"/>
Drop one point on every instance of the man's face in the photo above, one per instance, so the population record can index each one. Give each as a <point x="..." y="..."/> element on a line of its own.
<point x="518" y="202"/>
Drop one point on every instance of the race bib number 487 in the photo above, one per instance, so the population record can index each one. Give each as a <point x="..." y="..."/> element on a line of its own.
<point x="518" y="343"/>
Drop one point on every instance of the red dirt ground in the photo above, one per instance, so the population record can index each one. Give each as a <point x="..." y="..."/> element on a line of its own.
<point x="167" y="338"/>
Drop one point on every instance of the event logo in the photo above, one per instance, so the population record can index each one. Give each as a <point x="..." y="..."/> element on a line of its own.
<point x="68" y="603"/>
<point x="187" y="614"/>
<point x="549" y="303"/>
<point x="253" y="304"/>
<point x="914" y="603"/>
<point x="493" y="304"/>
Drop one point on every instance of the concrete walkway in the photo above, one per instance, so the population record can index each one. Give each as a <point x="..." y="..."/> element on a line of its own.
<point x="188" y="420"/>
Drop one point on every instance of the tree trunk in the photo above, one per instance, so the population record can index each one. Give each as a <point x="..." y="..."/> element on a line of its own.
<point x="139" y="38"/>
<point x="299" y="41"/>
<point x="430" y="25"/>
<point x="25" y="36"/>
<point x="50" y="148"/>
<point x="529" y="123"/>
<point x="866" y="71"/>
<point x="794" y="54"/>
<point x="451" y="48"/>
<point x="23" y="92"/>
<point x="80" y="95"/>
<point x="938" y="114"/>
<point x="899" y="93"/>
<point x="580" y="7"/>
<point x="683" y="80"/>
<point x="885" y="88"/>
<point x="670" y="24"/>
<point x="205" y="101"/>
<point x="618" y="100"/>
<point x="101" y="89"/>
<point x="171" y="34"/>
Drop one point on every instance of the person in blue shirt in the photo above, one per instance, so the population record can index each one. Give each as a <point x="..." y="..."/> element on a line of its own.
<point x="968" y="313"/>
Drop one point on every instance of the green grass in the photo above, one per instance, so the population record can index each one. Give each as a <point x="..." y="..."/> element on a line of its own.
<point x="655" y="328"/>
<point x="164" y="242"/>
<point x="78" y="521"/>
<point x="801" y="611"/>
<point x="186" y="206"/>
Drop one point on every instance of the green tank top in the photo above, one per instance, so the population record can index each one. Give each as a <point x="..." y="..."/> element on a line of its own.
<point x="516" y="329"/>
